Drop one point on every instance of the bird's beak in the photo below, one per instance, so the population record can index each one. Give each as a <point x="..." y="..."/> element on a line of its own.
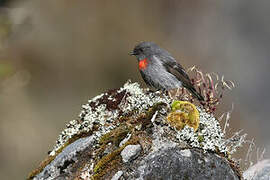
<point x="131" y="53"/>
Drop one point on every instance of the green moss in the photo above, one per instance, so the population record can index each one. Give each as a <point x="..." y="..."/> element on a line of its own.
<point x="127" y="125"/>
<point x="112" y="160"/>
<point x="110" y="166"/>
<point x="153" y="109"/>
<point x="116" y="135"/>
<point x="200" y="138"/>
<point x="145" y="118"/>
<point x="175" y="105"/>
<point x="101" y="164"/>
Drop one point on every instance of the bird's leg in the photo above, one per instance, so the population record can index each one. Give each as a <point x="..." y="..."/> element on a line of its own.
<point x="177" y="93"/>
<point x="151" y="90"/>
<point x="164" y="92"/>
<point x="169" y="94"/>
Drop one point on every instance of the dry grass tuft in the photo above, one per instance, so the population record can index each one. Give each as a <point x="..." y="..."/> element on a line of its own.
<point x="210" y="85"/>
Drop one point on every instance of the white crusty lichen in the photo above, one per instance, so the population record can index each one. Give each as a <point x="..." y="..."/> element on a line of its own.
<point x="139" y="100"/>
<point x="209" y="136"/>
<point x="104" y="109"/>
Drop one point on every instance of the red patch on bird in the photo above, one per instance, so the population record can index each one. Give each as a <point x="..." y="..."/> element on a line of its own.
<point x="143" y="64"/>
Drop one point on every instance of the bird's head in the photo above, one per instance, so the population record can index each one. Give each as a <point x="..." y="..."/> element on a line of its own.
<point x="145" y="49"/>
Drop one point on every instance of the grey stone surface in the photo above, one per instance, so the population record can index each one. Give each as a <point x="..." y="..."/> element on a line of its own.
<point x="117" y="175"/>
<point x="259" y="171"/>
<point x="177" y="164"/>
<point x="125" y="140"/>
<point x="130" y="152"/>
<point x="60" y="165"/>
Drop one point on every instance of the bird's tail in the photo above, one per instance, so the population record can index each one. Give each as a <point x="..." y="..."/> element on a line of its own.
<point x="195" y="93"/>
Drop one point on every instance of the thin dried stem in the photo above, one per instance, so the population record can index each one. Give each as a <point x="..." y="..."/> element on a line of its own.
<point x="210" y="85"/>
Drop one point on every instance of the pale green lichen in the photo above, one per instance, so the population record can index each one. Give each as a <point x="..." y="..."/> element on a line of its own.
<point x="136" y="111"/>
<point x="95" y="112"/>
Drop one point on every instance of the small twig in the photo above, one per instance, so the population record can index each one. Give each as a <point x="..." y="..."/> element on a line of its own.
<point x="228" y="116"/>
<point x="123" y="99"/>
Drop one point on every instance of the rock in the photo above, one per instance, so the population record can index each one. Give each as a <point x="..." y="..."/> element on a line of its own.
<point x="124" y="134"/>
<point x="125" y="140"/>
<point x="172" y="163"/>
<point x="117" y="175"/>
<point x="63" y="162"/>
<point x="259" y="171"/>
<point x="185" y="153"/>
<point x="130" y="152"/>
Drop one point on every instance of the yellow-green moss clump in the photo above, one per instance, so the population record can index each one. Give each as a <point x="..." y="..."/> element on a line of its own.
<point x="183" y="113"/>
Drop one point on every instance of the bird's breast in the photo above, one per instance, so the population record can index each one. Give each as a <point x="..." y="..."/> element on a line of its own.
<point x="143" y="64"/>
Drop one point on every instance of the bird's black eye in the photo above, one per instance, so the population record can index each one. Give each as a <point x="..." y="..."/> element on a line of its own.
<point x="140" y="49"/>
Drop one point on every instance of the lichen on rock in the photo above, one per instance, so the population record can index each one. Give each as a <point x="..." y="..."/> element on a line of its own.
<point x="103" y="109"/>
<point x="132" y="117"/>
<point x="130" y="152"/>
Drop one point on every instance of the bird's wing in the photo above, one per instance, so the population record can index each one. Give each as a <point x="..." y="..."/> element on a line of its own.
<point x="179" y="72"/>
<point x="176" y="69"/>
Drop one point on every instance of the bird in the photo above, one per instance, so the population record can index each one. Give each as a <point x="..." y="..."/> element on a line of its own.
<point x="160" y="70"/>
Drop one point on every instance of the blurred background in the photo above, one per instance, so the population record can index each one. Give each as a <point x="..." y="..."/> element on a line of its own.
<point x="55" y="55"/>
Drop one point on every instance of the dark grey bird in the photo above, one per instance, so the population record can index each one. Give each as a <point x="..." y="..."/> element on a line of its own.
<point x="160" y="70"/>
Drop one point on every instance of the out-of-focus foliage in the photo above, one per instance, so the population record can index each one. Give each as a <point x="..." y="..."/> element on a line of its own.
<point x="5" y="28"/>
<point x="5" y="70"/>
